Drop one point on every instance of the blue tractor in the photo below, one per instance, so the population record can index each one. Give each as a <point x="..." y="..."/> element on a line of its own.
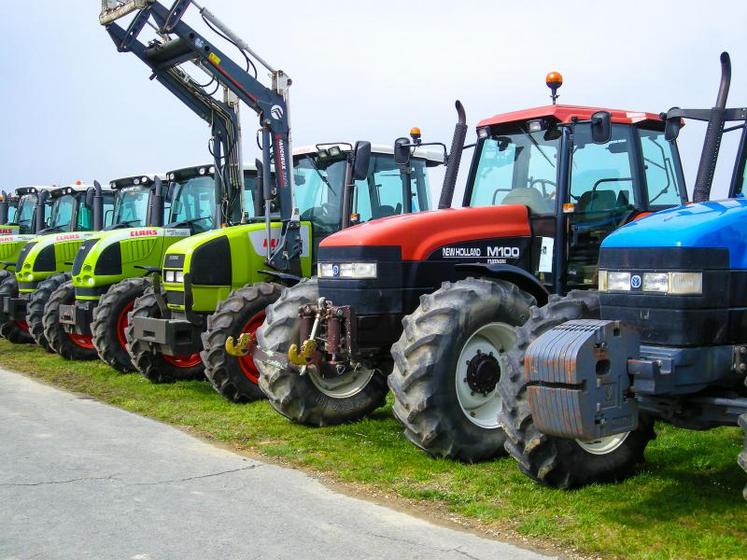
<point x="664" y="338"/>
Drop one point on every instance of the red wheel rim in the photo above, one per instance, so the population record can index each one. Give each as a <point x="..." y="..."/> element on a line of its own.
<point x="81" y="340"/>
<point x="183" y="361"/>
<point x="123" y="322"/>
<point x="246" y="363"/>
<point x="23" y="325"/>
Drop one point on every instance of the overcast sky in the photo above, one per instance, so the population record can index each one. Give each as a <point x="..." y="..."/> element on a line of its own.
<point x="75" y="108"/>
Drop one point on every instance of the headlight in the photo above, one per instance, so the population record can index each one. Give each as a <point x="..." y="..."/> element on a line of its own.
<point x="602" y="281"/>
<point x="29" y="277"/>
<point x="169" y="276"/>
<point x="347" y="270"/>
<point x="179" y="277"/>
<point x="685" y="283"/>
<point x="656" y="282"/>
<point x="91" y="281"/>
<point x="618" y="281"/>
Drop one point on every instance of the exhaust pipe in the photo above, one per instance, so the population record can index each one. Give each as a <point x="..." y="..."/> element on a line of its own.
<point x="454" y="159"/>
<point x="157" y="205"/>
<point x="3" y="207"/>
<point x="714" y="133"/>
<point x="41" y="203"/>
<point x="98" y="207"/>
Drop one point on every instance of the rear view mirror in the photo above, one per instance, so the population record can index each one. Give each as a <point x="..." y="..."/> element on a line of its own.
<point x="672" y="129"/>
<point x="361" y="160"/>
<point x="601" y="127"/>
<point x="89" y="197"/>
<point x="402" y="151"/>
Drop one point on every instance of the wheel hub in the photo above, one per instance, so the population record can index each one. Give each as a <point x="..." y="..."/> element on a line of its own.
<point x="483" y="373"/>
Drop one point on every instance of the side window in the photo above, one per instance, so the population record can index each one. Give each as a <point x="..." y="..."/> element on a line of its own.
<point x="63" y="212"/>
<point x="108" y="209"/>
<point x="421" y="197"/>
<point x="85" y="218"/>
<point x="601" y="179"/>
<point x="495" y="172"/>
<point x="661" y="179"/>
<point x="250" y="194"/>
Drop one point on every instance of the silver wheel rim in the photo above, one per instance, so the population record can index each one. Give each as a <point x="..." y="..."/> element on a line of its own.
<point x="604" y="445"/>
<point x="482" y="410"/>
<point x="344" y="386"/>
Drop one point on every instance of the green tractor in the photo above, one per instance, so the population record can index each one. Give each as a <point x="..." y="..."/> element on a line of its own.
<point x="336" y="185"/>
<point x="86" y="317"/>
<point x="77" y="211"/>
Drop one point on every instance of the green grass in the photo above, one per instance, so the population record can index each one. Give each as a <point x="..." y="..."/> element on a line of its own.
<point x="685" y="503"/>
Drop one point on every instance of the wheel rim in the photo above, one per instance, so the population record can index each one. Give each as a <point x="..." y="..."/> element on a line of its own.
<point x="344" y="386"/>
<point x="603" y="446"/>
<point x="81" y="340"/>
<point x="478" y="372"/>
<point x="23" y="325"/>
<point x="246" y="363"/>
<point x="123" y="322"/>
<point x="183" y="361"/>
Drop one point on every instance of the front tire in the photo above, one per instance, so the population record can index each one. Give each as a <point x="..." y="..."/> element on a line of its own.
<point x="36" y="304"/>
<point x="447" y="364"/>
<point x="310" y="399"/>
<point x="243" y="311"/>
<point x="70" y="346"/>
<point x="743" y="455"/>
<point x="554" y="461"/>
<point x="111" y="319"/>
<point x="155" y="366"/>
<point x="13" y="331"/>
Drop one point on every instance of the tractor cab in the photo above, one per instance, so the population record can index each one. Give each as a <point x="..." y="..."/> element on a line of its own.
<point x="133" y="202"/>
<point x="576" y="188"/>
<point x="72" y="208"/>
<point x="21" y="210"/>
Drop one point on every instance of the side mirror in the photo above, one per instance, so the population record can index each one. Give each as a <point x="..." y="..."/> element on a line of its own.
<point x="89" y="197"/>
<point x="170" y="191"/>
<point x="601" y="127"/>
<point x="402" y="151"/>
<point x="672" y="129"/>
<point x="361" y="160"/>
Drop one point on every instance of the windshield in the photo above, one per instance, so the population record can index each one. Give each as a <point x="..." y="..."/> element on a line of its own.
<point x="517" y="168"/>
<point x="131" y="207"/>
<point x="24" y="215"/>
<point x="664" y="188"/>
<point x="62" y="212"/>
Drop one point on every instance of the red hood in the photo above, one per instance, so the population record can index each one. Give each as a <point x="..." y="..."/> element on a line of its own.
<point x="424" y="232"/>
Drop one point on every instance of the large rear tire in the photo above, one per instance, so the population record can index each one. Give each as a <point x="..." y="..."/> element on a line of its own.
<point x="447" y="364"/>
<point x="242" y="312"/>
<point x="310" y="399"/>
<point x="70" y="346"/>
<point x="155" y="366"/>
<point x="743" y="455"/>
<point x="111" y="319"/>
<point x="36" y="304"/>
<point x="16" y="332"/>
<point x="554" y="461"/>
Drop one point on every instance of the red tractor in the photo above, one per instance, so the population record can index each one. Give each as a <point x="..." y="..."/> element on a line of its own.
<point x="545" y="187"/>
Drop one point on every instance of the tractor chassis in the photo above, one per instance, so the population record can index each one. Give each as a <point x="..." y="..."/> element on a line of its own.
<point x="173" y="336"/>
<point x="15" y="307"/>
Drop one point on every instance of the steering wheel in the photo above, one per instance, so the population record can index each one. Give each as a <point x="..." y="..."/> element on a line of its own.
<point x="543" y="185"/>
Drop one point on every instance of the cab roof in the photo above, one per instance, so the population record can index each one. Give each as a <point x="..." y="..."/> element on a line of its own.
<point x="566" y="113"/>
<point x="425" y="152"/>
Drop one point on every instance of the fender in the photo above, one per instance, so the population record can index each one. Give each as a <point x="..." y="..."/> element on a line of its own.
<point x="518" y="276"/>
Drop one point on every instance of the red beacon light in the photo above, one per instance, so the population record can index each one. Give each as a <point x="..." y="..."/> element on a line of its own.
<point x="554" y="80"/>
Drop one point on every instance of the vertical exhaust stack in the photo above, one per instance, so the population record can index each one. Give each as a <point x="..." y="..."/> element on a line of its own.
<point x="714" y="133"/>
<point x="3" y="207"/>
<point x="454" y="159"/>
<point x="98" y="207"/>
<point x="156" y="209"/>
<point x="41" y="203"/>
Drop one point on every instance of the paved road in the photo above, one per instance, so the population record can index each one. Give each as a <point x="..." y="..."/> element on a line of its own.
<point x="79" y="479"/>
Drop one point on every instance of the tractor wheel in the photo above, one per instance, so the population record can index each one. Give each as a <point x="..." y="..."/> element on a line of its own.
<point x="447" y="364"/>
<point x="242" y="312"/>
<point x="554" y="461"/>
<point x="743" y="455"/>
<point x="157" y="367"/>
<point x="36" y="304"/>
<point x="311" y="399"/>
<point x="110" y="321"/>
<point x="70" y="346"/>
<point x="16" y="332"/>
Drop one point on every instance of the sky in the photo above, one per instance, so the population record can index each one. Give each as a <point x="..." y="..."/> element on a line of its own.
<point x="75" y="108"/>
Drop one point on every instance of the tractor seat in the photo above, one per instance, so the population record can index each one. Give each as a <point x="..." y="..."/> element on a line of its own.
<point x="599" y="201"/>
<point x="385" y="210"/>
<point x="531" y="198"/>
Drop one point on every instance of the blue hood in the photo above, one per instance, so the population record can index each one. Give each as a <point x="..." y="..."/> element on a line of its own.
<point x="714" y="224"/>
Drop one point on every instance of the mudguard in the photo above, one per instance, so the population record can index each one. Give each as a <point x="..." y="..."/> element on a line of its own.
<point x="579" y="386"/>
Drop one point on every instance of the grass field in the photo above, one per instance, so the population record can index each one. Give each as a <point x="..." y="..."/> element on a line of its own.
<point x="685" y="503"/>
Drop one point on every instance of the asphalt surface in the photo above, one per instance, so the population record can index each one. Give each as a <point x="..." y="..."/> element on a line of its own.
<point x="80" y="479"/>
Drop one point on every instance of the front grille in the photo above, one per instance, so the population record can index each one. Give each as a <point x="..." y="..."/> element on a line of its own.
<point x="81" y="255"/>
<point x="173" y="261"/>
<point x="175" y="298"/>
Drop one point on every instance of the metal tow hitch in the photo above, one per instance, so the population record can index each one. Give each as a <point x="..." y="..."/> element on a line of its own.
<point x="243" y="347"/>
<point x="309" y="345"/>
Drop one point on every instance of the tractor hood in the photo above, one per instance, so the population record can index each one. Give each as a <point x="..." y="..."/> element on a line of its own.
<point x="707" y="225"/>
<point x="49" y="254"/>
<point x="10" y="248"/>
<point x="419" y="235"/>
<point x="109" y="256"/>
